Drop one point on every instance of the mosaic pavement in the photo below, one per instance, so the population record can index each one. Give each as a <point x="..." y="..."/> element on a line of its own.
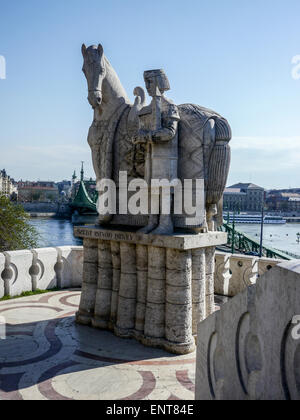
<point x="46" y="356"/>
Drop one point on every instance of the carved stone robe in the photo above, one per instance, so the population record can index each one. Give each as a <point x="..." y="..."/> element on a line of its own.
<point x="161" y="160"/>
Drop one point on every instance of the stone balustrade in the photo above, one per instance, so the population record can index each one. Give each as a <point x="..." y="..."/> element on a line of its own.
<point x="62" y="267"/>
<point x="44" y="268"/>
<point x="234" y="272"/>
<point x="250" y="349"/>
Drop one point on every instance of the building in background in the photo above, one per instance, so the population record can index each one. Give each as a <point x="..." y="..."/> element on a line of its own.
<point x="8" y="186"/>
<point x="286" y="201"/>
<point x="243" y="197"/>
<point x="43" y="191"/>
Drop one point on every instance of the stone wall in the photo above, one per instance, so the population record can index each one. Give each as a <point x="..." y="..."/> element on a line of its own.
<point x="43" y="268"/>
<point x="234" y="272"/>
<point x="250" y="349"/>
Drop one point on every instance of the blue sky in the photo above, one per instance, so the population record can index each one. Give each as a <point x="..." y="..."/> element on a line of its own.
<point x="234" y="56"/>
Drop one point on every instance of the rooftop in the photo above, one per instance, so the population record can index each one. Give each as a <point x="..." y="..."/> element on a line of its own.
<point x="245" y="186"/>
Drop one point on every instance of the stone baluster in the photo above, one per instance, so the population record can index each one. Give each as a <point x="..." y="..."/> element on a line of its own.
<point x="116" y="263"/>
<point x="198" y="287"/>
<point x="16" y="276"/>
<point x="70" y="264"/>
<point x="89" y="282"/>
<point x="77" y="265"/>
<point x="2" y="267"/>
<point x="222" y="273"/>
<point x="210" y="272"/>
<point x="142" y="270"/>
<point x="155" y="308"/>
<point x="127" y="291"/>
<point x="42" y="271"/>
<point x="104" y="290"/>
<point x="179" y="299"/>
<point x="244" y="270"/>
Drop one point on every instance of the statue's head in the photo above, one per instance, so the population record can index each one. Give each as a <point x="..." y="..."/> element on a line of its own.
<point x="156" y="79"/>
<point x="94" y="70"/>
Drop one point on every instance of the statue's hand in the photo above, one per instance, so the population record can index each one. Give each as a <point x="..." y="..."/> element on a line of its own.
<point x="142" y="137"/>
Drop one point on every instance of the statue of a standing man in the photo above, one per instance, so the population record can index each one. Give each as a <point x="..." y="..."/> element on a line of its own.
<point x="158" y="124"/>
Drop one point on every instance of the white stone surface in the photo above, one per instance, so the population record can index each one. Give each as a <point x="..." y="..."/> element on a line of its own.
<point x="266" y="264"/>
<point x="176" y="241"/>
<point x="234" y="272"/>
<point x="244" y="270"/>
<point x="16" y="275"/>
<point x="43" y="269"/>
<point x="222" y="273"/>
<point x="250" y="349"/>
<point x="2" y="267"/>
<point x="70" y="259"/>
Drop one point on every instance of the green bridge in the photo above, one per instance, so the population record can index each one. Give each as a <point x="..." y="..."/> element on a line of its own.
<point x="240" y="242"/>
<point x="82" y="202"/>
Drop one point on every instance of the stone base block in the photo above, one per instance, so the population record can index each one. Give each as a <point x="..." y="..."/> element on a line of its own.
<point x="153" y="288"/>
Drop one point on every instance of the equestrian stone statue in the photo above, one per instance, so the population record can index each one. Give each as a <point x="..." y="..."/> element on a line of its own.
<point x="161" y="140"/>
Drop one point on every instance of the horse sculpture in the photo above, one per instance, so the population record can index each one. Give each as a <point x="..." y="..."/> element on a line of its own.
<point x="203" y="137"/>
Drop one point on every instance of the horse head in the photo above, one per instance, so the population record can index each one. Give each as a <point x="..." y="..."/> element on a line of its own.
<point x="95" y="72"/>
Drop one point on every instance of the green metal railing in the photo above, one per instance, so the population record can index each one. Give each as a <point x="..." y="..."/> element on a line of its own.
<point x="239" y="241"/>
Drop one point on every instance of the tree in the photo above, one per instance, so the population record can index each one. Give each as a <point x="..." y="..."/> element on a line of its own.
<point x="15" y="231"/>
<point x="35" y="196"/>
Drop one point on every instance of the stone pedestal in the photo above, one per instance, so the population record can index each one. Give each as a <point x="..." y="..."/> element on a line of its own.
<point x="151" y="287"/>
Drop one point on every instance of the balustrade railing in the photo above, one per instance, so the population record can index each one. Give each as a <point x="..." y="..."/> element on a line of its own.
<point x="234" y="272"/>
<point x="44" y="268"/>
<point x="62" y="267"/>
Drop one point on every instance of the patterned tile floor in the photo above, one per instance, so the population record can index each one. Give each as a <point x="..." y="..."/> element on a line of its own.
<point x="47" y="356"/>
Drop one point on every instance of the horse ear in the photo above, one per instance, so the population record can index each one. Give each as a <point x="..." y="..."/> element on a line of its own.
<point x="83" y="50"/>
<point x="100" y="49"/>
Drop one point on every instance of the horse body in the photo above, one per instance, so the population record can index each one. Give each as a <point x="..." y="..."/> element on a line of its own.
<point x="203" y="138"/>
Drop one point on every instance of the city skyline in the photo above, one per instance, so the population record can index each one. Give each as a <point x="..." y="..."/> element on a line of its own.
<point x="246" y="69"/>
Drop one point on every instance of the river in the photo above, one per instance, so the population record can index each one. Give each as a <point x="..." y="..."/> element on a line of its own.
<point x="56" y="232"/>
<point x="283" y="237"/>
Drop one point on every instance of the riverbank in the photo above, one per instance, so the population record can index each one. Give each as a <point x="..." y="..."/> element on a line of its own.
<point x="47" y="209"/>
<point x="292" y="219"/>
<point x="46" y="215"/>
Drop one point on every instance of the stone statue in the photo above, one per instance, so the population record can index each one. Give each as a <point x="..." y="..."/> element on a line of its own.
<point x="155" y="288"/>
<point x="159" y="130"/>
<point x="160" y="140"/>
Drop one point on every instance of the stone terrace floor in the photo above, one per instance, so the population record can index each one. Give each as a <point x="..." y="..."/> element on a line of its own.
<point x="47" y="356"/>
